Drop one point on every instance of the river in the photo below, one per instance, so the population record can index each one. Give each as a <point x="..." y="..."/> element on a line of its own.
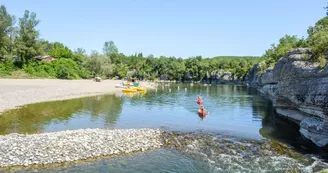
<point x="237" y="115"/>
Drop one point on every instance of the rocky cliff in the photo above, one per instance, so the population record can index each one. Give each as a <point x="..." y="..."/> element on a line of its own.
<point x="299" y="91"/>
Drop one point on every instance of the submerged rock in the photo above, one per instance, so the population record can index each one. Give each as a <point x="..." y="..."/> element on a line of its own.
<point x="231" y="153"/>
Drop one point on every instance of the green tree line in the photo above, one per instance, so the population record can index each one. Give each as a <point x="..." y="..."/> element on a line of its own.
<point x="317" y="40"/>
<point x="20" y="44"/>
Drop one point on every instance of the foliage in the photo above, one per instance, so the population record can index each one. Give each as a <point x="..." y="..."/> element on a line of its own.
<point x="6" y="68"/>
<point x="6" y="30"/>
<point x="58" y="50"/>
<point x="39" y="69"/>
<point x="318" y="37"/>
<point x="23" y="41"/>
<point x="27" y="44"/>
<point x="322" y="61"/>
<point x="121" y="70"/>
<point x="110" y="48"/>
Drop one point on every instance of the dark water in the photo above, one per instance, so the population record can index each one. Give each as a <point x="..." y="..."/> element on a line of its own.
<point x="234" y="110"/>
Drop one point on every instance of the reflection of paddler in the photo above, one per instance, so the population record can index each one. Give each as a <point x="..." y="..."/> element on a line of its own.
<point x="202" y="111"/>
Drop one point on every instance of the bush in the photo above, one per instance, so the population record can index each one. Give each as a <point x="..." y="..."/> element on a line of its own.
<point x="62" y="69"/>
<point x="320" y="42"/>
<point x="6" y="68"/>
<point x="322" y="61"/>
<point x="39" y="69"/>
<point x="66" y="69"/>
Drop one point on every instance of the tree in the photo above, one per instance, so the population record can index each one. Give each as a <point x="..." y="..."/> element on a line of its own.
<point x="58" y="50"/>
<point x="286" y="43"/>
<point x="67" y="69"/>
<point x="121" y="70"/>
<point x="27" y="44"/>
<point x="108" y="70"/>
<point x="320" y="41"/>
<point x="80" y="51"/>
<point x="7" y="30"/>
<point x="94" y="63"/>
<point x="177" y="70"/>
<point x="318" y="37"/>
<point x="109" y="48"/>
<point x="111" y="51"/>
<point x="79" y="56"/>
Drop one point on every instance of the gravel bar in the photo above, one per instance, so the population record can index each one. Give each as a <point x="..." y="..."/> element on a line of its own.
<point x="72" y="145"/>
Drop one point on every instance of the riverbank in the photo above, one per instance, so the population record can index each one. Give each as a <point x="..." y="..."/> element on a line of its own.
<point x="298" y="90"/>
<point x="19" y="92"/>
<point x="64" y="146"/>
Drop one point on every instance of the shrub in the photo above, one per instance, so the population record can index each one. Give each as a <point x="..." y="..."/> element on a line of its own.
<point x="6" y="68"/>
<point x="322" y="61"/>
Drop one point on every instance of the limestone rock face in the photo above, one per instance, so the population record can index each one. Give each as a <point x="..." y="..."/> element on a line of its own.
<point x="253" y="77"/>
<point x="298" y="90"/>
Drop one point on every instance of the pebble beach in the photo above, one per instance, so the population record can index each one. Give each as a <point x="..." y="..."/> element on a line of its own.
<point x="72" y="145"/>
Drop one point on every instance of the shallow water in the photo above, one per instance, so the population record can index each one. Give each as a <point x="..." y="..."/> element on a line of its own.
<point x="234" y="110"/>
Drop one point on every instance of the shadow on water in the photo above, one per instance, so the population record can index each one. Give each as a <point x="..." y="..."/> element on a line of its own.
<point x="282" y="129"/>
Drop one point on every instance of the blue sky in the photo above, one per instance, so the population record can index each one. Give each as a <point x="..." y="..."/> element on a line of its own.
<point x="180" y="28"/>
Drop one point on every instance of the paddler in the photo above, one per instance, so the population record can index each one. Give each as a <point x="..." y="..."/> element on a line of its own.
<point x="199" y="100"/>
<point x="202" y="110"/>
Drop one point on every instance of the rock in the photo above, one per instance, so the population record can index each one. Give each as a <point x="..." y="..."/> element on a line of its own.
<point x="298" y="89"/>
<point x="299" y="51"/>
<point x="227" y="76"/>
<point x="253" y="77"/>
<point x="293" y="114"/>
<point x="268" y="77"/>
<point x="316" y="130"/>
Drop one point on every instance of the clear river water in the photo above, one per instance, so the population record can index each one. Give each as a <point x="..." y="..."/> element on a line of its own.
<point x="237" y="114"/>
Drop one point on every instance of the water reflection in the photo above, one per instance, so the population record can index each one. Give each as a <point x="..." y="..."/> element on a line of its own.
<point x="233" y="109"/>
<point x="202" y="117"/>
<point x="39" y="117"/>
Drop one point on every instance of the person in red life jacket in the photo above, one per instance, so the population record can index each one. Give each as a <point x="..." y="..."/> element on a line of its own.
<point x="202" y="111"/>
<point x="199" y="100"/>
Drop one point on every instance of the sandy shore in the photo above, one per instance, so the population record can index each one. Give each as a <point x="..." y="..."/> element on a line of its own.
<point x="18" y="92"/>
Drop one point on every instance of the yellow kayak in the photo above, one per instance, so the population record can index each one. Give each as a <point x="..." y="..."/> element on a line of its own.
<point x="141" y="89"/>
<point x="129" y="90"/>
